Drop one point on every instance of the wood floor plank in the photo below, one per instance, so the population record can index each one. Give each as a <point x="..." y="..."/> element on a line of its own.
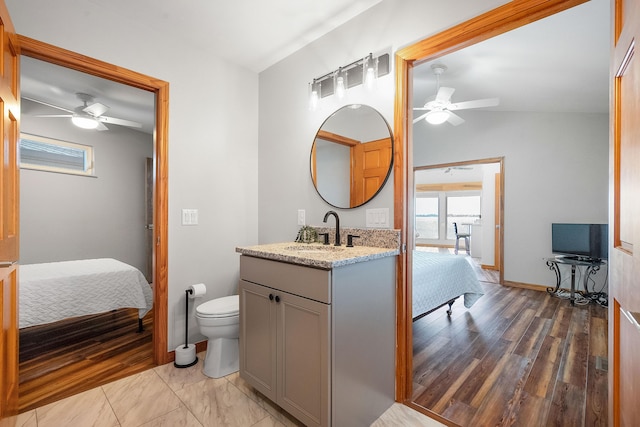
<point x="532" y="339"/>
<point x="567" y="407"/>
<point x="531" y="360"/>
<point x="543" y="375"/>
<point x="496" y="403"/>
<point x="573" y="368"/>
<point x="596" y="407"/>
<point x="65" y="358"/>
<point x="459" y="412"/>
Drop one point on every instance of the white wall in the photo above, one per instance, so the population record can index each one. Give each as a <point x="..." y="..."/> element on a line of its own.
<point x="213" y="137"/>
<point x="66" y="217"/>
<point x="287" y="132"/>
<point x="555" y="170"/>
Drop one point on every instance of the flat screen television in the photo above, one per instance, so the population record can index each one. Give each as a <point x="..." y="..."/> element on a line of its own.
<point x="580" y="240"/>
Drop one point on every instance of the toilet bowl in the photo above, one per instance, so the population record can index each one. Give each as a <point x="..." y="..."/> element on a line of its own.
<point x="218" y="320"/>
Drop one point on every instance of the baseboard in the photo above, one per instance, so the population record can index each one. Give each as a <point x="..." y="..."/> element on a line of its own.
<point x="200" y="347"/>
<point x="531" y="286"/>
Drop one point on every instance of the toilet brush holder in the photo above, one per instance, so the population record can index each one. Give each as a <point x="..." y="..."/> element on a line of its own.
<point x="186" y="354"/>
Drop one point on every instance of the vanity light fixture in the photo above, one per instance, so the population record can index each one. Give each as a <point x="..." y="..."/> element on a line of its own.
<point x="437" y="117"/>
<point x="364" y="71"/>
<point x="84" y="121"/>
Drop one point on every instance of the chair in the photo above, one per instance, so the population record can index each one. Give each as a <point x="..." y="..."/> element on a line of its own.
<point x="459" y="236"/>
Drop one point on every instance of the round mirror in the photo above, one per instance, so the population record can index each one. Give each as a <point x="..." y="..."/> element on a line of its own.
<point x="351" y="156"/>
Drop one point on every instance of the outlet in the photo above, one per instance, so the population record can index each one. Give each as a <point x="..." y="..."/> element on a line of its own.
<point x="301" y="219"/>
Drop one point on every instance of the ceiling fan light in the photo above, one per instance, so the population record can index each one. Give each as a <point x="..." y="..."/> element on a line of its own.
<point x="84" y="122"/>
<point x="437" y="117"/>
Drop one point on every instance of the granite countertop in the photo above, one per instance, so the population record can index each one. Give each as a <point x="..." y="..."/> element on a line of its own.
<point x="315" y="254"/>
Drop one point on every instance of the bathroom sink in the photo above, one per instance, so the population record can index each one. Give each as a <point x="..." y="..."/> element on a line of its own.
<point x="314" y="248"/>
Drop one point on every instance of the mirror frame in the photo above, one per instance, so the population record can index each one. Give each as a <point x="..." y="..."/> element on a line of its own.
<point x="349" y="142"/>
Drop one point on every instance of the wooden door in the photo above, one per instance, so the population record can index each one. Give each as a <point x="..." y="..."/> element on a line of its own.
<point x="624" y="259"/>
<point x="370" y="166"/>
<point x="9" y="192"/>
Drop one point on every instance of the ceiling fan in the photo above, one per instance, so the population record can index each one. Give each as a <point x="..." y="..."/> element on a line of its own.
<point x="89" y="115"/>
<point x="439" y="108"/>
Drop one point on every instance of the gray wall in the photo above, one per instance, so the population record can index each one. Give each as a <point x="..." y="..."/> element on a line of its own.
<point x="555" y="170"/>
<point x="66" y="217"/>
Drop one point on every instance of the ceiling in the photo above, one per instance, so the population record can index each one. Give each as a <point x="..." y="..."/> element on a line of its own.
<point x="556" y="64"/>
<point x="559" y="64"/>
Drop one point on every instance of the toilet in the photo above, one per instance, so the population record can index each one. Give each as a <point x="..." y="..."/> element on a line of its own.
<point x="218" y="320"/>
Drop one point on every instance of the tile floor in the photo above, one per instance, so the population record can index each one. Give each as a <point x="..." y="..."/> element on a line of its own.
<point x="166" y="396"/>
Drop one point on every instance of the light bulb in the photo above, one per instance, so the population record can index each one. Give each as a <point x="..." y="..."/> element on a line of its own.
<point x="84" y="122"/>
<point x="313" y="96"/>
<point x="437" y="117"/>
<point x="340" y="88"/>
<point x="370" y="66"/>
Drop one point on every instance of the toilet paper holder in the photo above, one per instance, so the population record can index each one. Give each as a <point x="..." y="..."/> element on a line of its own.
<point x="186" y="355"/>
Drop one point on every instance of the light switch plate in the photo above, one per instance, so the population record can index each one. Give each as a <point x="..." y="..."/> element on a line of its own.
<point x="301" y="217"/>
<point x="189" y="216"/>
<point x="377" y="218"/>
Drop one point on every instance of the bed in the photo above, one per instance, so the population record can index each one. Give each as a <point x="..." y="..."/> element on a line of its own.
<point x="439" y="279"/>
<point x="54" y="291"/>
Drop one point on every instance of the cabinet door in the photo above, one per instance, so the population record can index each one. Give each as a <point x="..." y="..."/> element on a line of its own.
<point x="303" y="358"/>
<point x="257" y="338"/>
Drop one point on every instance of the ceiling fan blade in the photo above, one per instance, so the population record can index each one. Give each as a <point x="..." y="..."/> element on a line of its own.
<point x="421" y="109"/>
<point x="47" y="104"/>
<point x="121" y="122"/>
<point x="96" y="109"/>
<point x="54" y="115"/>
<point x="101" y="126"/>
<point x="454" y="119"/>
<point x="478" y="103"/>
<point x="417" y="119"/>
<point x="444" y="94"/>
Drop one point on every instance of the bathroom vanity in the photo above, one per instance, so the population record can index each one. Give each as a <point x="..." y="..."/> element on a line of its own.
<point x="317" y="330"/>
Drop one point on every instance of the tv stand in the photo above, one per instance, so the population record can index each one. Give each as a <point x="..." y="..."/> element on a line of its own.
<point x="592" y="266"/>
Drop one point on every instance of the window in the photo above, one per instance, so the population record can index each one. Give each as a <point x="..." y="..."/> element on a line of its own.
<point x="52" y="155"/>
<point x="462" y="209"/>
<point x="427" y="218"/>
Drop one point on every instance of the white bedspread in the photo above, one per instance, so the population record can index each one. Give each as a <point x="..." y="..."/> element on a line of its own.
<point x="58" y="290"/>
<point x="438" y="278"/>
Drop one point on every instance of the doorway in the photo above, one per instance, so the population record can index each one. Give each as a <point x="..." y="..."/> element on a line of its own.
<point x="498" y="21"/>
<point x="470" y="194"/>
<point x="62" y="57"/>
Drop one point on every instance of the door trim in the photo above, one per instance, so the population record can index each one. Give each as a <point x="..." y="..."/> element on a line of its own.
<point x="511" y="15"/>
<point x="65" y="58"/>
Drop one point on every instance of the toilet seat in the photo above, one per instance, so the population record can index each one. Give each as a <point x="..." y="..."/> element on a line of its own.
<point x="219" y="307"/>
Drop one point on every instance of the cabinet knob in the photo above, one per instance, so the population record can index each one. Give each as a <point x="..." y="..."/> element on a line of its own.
<point x="277" y="298"/>
<point x="270" y="297"/>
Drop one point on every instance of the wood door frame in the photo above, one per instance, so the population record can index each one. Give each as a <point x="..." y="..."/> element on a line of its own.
<point x="511" y="15"/>
<point x="65" y="58"/>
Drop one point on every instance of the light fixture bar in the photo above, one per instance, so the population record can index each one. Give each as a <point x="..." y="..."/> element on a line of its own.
<point x="356" y="73"/>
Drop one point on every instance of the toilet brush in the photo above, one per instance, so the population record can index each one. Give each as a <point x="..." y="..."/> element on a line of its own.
<point x="186" y="355"/>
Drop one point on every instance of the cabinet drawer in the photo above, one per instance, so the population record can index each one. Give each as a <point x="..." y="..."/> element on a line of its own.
<point x="306" y="282"/>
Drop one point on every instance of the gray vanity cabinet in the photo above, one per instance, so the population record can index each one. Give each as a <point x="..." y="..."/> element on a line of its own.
<point x="320" y="343"/>
<point x="284" y="338"/>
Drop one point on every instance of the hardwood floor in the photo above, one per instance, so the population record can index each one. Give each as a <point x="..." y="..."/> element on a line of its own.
<point x="518" y="357"/>
<point x="65" y="358"/>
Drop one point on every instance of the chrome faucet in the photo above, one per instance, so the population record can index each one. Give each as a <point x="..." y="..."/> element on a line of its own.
<point x="326" y="216"/>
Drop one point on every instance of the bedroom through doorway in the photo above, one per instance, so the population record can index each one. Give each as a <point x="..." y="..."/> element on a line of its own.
<point x="93" y="349"/>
